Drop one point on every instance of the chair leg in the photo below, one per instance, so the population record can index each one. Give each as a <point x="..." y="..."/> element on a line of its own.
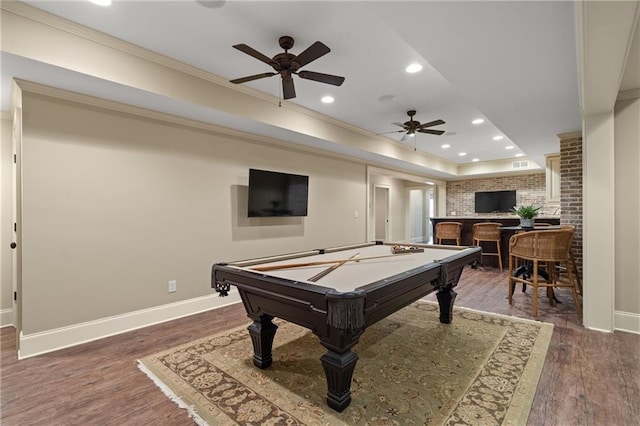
<point x="511" y="284"/>
<point x="499" y="255"/>
<point x="573" y="289"/>
<point x="535" y="288"/>
<point x="572" y="260"/>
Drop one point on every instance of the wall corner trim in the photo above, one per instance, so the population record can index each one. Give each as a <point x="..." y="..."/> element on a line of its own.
<point x="64" y="337"/>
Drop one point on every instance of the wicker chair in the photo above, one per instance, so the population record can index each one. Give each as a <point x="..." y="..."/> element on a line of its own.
<point x="540" y="249"/>
<point x="488" y="231"/>
<point x="448" y="231"/>
<point x="572" y="258"/>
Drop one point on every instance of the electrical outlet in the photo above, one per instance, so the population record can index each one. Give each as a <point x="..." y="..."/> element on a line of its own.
<point x="172" y="286"/>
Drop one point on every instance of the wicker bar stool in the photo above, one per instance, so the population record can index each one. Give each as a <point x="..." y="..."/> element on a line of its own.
<point x="488" y="231"/>
<point x="448" y="231"/>
<point x="540" y="249"/>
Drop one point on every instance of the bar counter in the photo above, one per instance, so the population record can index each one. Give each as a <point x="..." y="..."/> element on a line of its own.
<point x="466" y="239"/>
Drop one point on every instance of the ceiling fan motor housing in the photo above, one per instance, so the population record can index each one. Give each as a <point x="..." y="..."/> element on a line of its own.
<point x="286" y="42"/>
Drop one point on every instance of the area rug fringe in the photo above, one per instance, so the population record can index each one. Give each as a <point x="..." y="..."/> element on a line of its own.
<point x="191" y="410"/>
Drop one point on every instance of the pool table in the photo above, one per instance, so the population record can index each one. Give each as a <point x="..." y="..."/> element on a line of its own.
<point x="337" y="293"/>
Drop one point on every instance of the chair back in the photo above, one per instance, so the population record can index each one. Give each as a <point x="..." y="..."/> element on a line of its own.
<point x="448" y="230"/>
<point x="486" y="231"/>
<point x="546" y="246"/>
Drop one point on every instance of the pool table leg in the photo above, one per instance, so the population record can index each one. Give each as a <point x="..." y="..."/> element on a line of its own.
<point x="338" y="369"/>
<point x="446" y="296"/>
<point x="262" y="332"/>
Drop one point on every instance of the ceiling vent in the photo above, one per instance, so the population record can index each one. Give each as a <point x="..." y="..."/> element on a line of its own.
<point x="516" y="165"/>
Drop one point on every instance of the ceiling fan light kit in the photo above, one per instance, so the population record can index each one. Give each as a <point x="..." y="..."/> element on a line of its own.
<point x="287" y="64"/>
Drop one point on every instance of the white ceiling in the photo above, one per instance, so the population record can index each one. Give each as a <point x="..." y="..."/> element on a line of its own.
<point x="512" y="63"/>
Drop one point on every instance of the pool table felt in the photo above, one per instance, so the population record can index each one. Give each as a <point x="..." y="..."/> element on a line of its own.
<point x="352" y="275"/>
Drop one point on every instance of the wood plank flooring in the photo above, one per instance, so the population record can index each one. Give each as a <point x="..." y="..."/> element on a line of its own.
<point x="589" y="378"/>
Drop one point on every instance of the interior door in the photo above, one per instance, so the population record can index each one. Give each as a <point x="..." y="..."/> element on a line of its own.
<point x="420" y="210"/>
<point x="16" y="251"/>
<point x="381" y="213"/>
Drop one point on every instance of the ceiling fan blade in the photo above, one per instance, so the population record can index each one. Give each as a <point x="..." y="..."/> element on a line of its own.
<point x="253" y="77"/>
<point x="431" y="132"/>
<point x="259" y="56"/>
<point x="386" y="133"/>
<point x="322" y="78"/>
<point x="404" y="137"/>
<point x="400" y="125"/>
<point x="431" y="124"/>
<point x="288" y="90"/>
<point x="312" y="53"/>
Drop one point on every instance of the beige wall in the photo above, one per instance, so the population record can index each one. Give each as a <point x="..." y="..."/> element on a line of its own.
<point x="5" y="218"/>
<point x="115" y="206"/>
<point x="627" y="205"/>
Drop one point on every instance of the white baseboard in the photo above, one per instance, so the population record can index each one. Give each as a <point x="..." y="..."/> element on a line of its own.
<point x="64" y="337"/>
<point x="627" y="321"/>
<point x="6" y="317"/>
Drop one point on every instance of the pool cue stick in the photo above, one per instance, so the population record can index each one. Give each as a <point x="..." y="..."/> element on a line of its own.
<point x="319" y="275"/>
<point x="320" y="262"/>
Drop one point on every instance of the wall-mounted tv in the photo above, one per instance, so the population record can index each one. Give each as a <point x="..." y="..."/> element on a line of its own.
<point x="277" y="194"/>
<point x="495" y="201"/>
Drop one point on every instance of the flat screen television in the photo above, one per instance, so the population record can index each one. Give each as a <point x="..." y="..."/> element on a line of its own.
<point x="277" y="194"/>
<point x="495" y="201"/>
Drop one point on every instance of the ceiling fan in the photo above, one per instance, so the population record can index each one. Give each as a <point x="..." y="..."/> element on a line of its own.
<point x="412" y="126"/>
<point x="287" y="64"/>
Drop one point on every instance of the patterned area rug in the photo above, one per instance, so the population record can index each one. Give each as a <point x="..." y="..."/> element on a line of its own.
<point x="480" y="369"/>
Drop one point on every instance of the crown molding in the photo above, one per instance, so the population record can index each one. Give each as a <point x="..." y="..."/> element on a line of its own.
<point x="569" y="135"/>
<point x="139" y="112"/>
<point x="628" y="94"/>
<point x="63" y="95"/>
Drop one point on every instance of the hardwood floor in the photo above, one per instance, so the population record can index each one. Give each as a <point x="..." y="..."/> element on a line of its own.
<point x="589" y="378"/>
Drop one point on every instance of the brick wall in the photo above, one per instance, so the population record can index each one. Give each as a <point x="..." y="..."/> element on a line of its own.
<point x="571" y="190"/>
<point x="530" y="189"/>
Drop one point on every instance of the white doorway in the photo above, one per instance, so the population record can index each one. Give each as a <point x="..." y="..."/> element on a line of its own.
<point x="381" y="213"/>
<point x="16" y="214"/>
<point x="420" y="210"/>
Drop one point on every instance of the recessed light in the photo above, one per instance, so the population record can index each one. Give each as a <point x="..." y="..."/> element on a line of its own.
<point x="101" y="2"/>
<point x="413" y="68"/>
<point x="498" y="138"/>
<point x="386" y="98"/>
<point x="509" y="147"/>
<point x="519" y="154"/>
<point x="445" y="146"/>
<point x="462" y="154"/>
<point x="327" y="99"/>
<point x="478" y="121"/>
<point x="475" y="160"/>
